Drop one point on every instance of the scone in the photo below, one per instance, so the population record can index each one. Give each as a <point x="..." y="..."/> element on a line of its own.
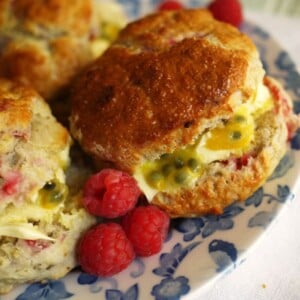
<point x="180" y="102"/>
<point x="41" y="220"/>
<point x="46" y="43"/>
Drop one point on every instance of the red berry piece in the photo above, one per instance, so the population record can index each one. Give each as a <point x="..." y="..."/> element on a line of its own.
<point x="37" y="245"/>
<point x="11" y="184"/>
<point x="110" y="193"/>
<point x="170" y="5"/>
<point x="146" y="228"/>
<point x="105" y="250"/>
<point x="229" y="11"/>
<point x="242" y="161"/>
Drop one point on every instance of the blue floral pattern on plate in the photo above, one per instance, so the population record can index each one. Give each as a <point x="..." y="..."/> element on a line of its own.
<point x="198" y="249"/>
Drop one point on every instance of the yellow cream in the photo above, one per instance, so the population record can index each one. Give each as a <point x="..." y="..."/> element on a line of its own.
<point x="184" y="166"/>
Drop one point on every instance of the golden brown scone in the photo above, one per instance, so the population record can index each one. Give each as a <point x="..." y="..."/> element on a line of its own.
<point x="45" y="43"/>
<point x="179" y="102"/>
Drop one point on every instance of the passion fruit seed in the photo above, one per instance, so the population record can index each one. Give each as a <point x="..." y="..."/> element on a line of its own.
<point x="52" y="194"/>
<point x="165" y="156"/>
<point x="239" y="118"/>
<point x="193" y="164"/>
<point x="181" y="176"/>
<point x="235" y="135"/>
<point x="167" y="169"/>
<point x="179" y="163"/>
<point x="155" y="177"/>
<point x="49" y="186"/>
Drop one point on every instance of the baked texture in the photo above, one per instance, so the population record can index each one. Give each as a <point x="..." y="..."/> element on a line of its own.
<point x="167" y="78"/>
<point x="45" y="43"/>
<point x="41" y="215"/>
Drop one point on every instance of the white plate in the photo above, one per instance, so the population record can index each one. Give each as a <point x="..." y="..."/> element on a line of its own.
<point x="198" y="250"/>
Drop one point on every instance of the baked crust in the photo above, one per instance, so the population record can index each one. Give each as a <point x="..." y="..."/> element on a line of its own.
<point x="168" y="78"/>
<point x="45" y="44"/>
<point x="47" y="17"/>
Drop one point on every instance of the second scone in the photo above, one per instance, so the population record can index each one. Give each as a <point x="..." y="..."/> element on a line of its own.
<point x="41" y="217"/>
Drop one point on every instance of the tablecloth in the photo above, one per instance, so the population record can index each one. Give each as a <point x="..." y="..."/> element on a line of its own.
<point x="272" y="268"/>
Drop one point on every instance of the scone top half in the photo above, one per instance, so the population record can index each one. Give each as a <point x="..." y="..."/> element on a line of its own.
<point x="177" y="91"/>
<point x="166" y="80"/>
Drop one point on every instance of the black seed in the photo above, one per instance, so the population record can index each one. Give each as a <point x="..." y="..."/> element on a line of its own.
<point x="181" y="177"/>
<point x="193" y="164"/>
<point x="155" y="176"/>
<point x="178" y="162"/>
<point x="49" y="186"/>
<point x="236" y="135"/>
<point x="165" y="156"/>
<point x="167" y="169"/>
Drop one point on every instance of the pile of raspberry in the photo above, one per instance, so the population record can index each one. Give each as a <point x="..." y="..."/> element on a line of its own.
<point x="128" y="229"/>
<point x="228" y="11"/>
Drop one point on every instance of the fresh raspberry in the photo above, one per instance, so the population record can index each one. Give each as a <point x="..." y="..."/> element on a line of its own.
<point x="146" y="228"/>
<point x="229" y="11"/>
<point x="110" y="193"/>
<point x="170" y="5"/>
<point x="105" y="250"/>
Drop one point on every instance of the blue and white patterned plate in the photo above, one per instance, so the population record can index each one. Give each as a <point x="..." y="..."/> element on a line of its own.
<point x="197" y="250"/>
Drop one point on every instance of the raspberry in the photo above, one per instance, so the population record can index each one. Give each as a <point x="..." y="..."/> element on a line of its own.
<point x="110" y="193"/>
<point x="105" y="250"/>
<point x="146" y="228"/>
<point x="170" y="5"/>
<point x="229" y="11"/>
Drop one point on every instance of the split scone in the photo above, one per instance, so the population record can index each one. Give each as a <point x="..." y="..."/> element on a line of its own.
<point x="182" y="103"/>
<point x="40" y="219"/>
<point x="46" y="43"/>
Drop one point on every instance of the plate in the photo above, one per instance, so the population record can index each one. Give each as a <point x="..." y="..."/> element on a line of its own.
<point x="199" y="250"/>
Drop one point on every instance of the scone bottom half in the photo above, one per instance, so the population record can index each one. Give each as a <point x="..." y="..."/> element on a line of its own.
<point x="41" y="216"/>
<point x="181" y="102"/>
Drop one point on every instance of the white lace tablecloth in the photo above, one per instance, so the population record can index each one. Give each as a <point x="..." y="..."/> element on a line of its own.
<point x="272" y="268"/>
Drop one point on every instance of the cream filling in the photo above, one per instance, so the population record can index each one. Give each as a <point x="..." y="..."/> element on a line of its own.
<point x="232" y="138"/>
<point x="25" y="231"/>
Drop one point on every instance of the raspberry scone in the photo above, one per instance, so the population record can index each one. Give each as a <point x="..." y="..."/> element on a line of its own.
<point x="40" y="219"/>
